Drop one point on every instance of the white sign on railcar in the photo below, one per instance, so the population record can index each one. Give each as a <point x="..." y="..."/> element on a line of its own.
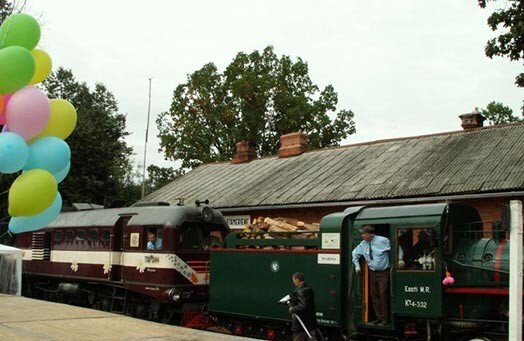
<point x="237" y="221"/>
<point x="331" y="240"/>
<point x="134" y="241"/>
<point x="328" y="258"/>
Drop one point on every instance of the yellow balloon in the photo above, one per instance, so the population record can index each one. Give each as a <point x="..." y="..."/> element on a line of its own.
<point x="43" y="65"/>
<point x="31" y="193"/>
<point x="62" y="120"/>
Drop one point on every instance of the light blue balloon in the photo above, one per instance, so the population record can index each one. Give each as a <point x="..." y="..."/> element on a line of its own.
<point x="37" y="221"/>
<point x="49" y="153"/>
<point x="14" y="153"/>
<point x="60" y="176"/>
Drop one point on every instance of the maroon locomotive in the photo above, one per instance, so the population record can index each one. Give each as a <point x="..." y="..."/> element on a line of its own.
<point x="100" y="258"/>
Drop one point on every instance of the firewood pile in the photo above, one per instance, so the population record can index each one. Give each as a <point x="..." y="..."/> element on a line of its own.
<point x="268" y="228"/>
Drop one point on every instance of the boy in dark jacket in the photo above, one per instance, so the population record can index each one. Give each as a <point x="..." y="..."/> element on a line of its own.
<point x="302" y="304"/>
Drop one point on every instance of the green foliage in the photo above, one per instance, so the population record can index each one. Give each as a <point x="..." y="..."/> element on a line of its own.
<point x="6" y="9"/>
<point x="160" y="176"/>
<point x="100" y="164"/>
<point x="510" y="43"/>
<point x="258" y="97"/>
<point x="497" y="113"/>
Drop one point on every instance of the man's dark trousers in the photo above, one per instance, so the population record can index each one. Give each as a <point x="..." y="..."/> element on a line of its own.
<point x="379" y="290"/>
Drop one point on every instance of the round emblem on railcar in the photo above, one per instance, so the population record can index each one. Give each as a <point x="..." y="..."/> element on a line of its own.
<point x="275" y="266"/>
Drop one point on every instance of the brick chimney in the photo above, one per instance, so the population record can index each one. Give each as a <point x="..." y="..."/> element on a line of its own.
<point x="472" y="120"/>
<point x="245" y="152"/>
<point x="292" y="144"/>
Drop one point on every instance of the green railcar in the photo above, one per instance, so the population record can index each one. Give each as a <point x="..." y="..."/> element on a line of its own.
<point x="428" y="242"/>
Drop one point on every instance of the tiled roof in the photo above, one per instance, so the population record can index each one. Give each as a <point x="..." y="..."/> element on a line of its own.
<point x="483" y="160"/>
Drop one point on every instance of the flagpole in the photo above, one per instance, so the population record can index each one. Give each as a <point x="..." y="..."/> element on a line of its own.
<point x="145" y="145"/>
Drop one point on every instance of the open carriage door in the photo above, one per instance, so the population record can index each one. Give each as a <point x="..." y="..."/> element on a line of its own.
<point x="416" y="250"/>
<point x="118" y="241"/>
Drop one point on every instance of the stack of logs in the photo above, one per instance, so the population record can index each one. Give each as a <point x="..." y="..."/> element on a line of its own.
<point x="267" y="228"/>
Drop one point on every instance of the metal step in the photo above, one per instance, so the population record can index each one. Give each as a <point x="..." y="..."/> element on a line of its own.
<point x="118" y="300"/>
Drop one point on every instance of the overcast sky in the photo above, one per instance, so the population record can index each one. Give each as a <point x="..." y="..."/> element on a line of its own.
<point x="404" y="68"/>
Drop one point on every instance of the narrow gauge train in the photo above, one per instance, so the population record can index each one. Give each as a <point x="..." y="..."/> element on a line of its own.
<point x="100" y="257"/>
<point x="427" y="241"/>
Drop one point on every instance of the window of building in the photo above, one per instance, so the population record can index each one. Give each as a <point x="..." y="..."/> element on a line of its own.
<point x="416" y="249"/>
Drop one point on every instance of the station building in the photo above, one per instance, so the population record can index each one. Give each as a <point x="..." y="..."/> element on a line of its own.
<point x="477" y="165"/>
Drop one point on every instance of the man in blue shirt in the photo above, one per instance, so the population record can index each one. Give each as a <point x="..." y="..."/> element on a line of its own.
<point x="153" y="242"/>
<point x="375" y="250"/>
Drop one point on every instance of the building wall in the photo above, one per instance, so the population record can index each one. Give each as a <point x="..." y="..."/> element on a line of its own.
<point x="490" y="211"/>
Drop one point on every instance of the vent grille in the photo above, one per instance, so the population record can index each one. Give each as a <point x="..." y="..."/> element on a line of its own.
<point x="41" y="246"/>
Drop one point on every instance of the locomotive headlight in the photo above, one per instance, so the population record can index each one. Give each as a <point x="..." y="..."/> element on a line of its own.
<point x="207" y="214"/>
<point x="174" y="294"/>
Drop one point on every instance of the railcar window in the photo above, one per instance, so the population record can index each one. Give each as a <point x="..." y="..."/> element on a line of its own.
<point x="69" y="235"/>
<point x="212" y="239"/>
<point x="416" y="249"/>
<point x="59" y="235"/>
<point x="93" y="235"/>
<point x="81" y="235"/>
<point x="154" y="239"/>
<point x="190" y="239"/>
<point x="106" y="235"/>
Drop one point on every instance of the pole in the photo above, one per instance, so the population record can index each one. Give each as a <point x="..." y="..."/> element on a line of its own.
<point x="145" y="145"/>
<point x="302" y="324"/>
<point x="515" y="270"/>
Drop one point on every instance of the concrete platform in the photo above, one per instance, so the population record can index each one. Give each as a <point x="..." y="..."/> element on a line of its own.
<point x="23" y="318"/>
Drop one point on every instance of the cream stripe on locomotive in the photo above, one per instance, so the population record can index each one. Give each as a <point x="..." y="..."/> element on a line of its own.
<point x="138" y="260"/>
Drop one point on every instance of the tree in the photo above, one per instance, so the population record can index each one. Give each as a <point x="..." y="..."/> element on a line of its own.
<point x="100" y="165"/>
<point x="258" y="97"/>
<point x="6" y="9"/>
<point x="498" y="113"/>
<point x="510" y="43"/>
<point x="160" y="176"/>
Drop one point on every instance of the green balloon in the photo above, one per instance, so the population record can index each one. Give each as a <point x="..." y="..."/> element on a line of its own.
<point x="32" y="192"/>
<point x="17" y="67"/>
<point x="20" y="30"/>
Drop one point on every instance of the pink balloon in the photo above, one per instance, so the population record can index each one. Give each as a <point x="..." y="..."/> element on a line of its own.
<point x="2" y="120"/>
<point x="27" y="112"/>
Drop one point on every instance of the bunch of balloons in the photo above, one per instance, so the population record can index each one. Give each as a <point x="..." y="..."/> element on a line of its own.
<point x="34" y="127"/>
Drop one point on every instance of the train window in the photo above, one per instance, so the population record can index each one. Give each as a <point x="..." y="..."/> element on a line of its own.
<point x="106" y="235"/>
<point x="190" y="239"/>
<point x="154" y="239"/>
<point x="59" y="235"/>
<point x="69" y="235"/>
<point x="93" y="235"/>
<point x="416" y="249"/>
<point x="81" y="235"/>
<point x="212" y="239"/>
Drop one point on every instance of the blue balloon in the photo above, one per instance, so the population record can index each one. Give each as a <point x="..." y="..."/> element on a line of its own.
<point x="14" y="153"/>
<point x="60" y="176"/>
<point x="37" y="221"/>
<point x="49" y="153"/>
